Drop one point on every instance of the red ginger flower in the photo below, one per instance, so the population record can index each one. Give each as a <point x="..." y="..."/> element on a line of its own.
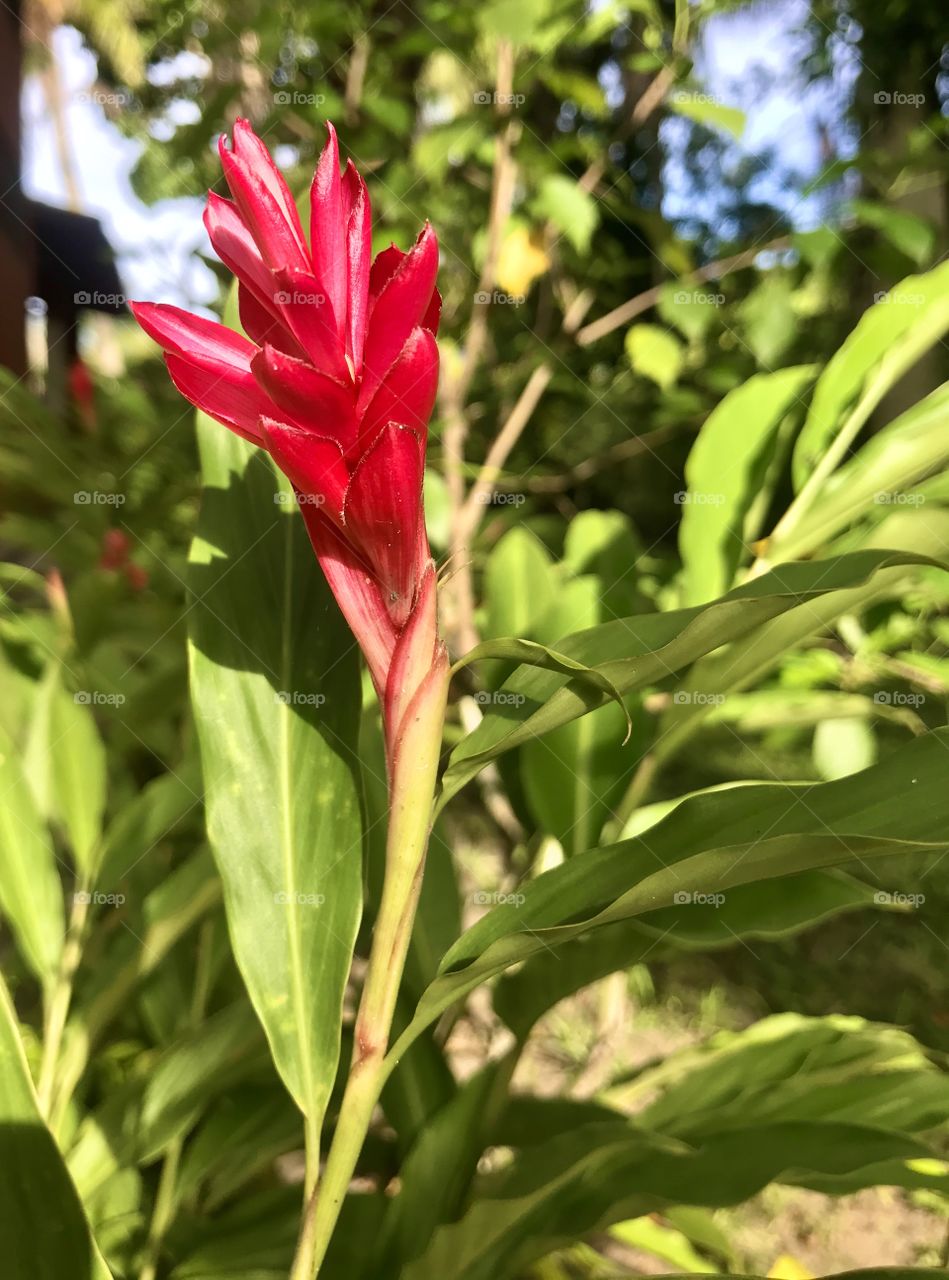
<point x="336" y="379"/>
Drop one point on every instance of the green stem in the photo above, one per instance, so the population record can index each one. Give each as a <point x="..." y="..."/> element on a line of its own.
<point x="894" y="363"/>
<point x="163" y="1212"/>
<point x="312" y="1135"/>
<point x="414" y="769"/>
<point x="60" y="998"/>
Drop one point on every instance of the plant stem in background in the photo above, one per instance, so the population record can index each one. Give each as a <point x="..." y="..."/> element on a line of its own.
<point x="414" y="769"/>
<point x="163" y="1212"/>
<point x="60" y="998"/>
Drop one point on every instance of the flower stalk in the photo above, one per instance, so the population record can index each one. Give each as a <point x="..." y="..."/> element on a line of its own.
<point x="413" y="767"/>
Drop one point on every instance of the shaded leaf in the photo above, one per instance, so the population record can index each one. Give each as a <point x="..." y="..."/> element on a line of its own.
<point x="275" y="688"/>
<point x="34" y="1180"/>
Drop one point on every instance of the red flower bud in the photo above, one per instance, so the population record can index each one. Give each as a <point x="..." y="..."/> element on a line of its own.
<point x="336" y="379"/>
<point x="116" y="546"/>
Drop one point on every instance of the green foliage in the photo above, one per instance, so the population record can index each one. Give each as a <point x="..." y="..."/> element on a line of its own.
<point x="278" y="745"/>
<point x="34" y="1177"/>
<point x="724" y="525"/>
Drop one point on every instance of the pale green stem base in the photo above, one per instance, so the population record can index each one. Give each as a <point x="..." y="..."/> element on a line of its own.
<point x="60" y="998"/>
<point x="410" y="813"/>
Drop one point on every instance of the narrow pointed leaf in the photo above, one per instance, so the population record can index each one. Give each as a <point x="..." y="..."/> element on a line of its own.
<point x="31" y="896"/>
<point x="276" y="699"/>
<point x="43" y="1232"/>
<point x="78" y="775"/>
<point x="531" y="654"/>
<point x="584" y="1180"/>
<point x="634" y="652"/>
<point x="709" y="844"/>
<point x="767" y="909"/>
<point x="890" y="338"/>
<point x="725" y="471"/>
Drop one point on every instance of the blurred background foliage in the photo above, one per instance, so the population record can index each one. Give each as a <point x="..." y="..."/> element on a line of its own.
<point x="624" y="183"/>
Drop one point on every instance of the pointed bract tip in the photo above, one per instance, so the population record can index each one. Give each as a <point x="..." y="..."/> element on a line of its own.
<point x="331" y="145"/>
<point x="243" y="131"/>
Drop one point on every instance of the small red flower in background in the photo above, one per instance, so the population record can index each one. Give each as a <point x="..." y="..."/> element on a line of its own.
<point x="116" y="546"/>
<point x="116" y="557"/>
<point x="336" y="379"/>
<point x="82" y="393"/>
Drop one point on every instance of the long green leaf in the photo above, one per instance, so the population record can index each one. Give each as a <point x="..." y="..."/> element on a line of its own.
<point x="633" y="652"/>
<point x="872" y="1273"/>
<point x="905" y="452"/>
<point x="889" y="339"/>
<point x="75" y="768"/>
<point x="700" y="694"/>
<point x="43" y="1232"/>
<point x="584" y="1180"/>
<point x="530" y="653"/>
<point x="31" y="896"/>
<point x="519" y="584"/>
<point x="724" y="472"/>
<point x="708" y="845"/>
<point x="768" y="909"/>
<point x="276" y="697"/>
<point x="787" y="1068"/>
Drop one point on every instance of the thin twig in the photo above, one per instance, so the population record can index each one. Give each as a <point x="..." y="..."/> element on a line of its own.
<point x="643" y="301"/>
<point x="583" y="470"/>
<point x="355" y="78"/>
<point x="647" y="102"/>
<point x="480" y="495"/>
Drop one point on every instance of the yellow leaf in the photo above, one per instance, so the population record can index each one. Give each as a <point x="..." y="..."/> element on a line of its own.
<point x="788" y="1268"/>
<point x="520" y="262"/>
